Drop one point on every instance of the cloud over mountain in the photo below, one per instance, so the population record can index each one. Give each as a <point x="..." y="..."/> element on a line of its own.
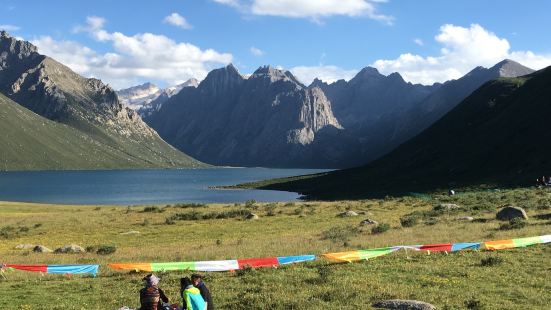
<point x="134" y="57"/>
<point x="462" y="49"/>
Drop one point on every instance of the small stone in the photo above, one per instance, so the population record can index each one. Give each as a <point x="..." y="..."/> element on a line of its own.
<point x="466" y="218"/>
<point x="25" y="246"/>
<point x="446" y="207"/>
<point x="368" y="222"/>
<point x="252" y="216"/>
<point x="132" y="232"/>
<point x="41" y="249"/>
<point x="347" y="214"/>
<point x="510" y="212"/>
<point x="72" y="248"/>
<point x="404" y="305"/>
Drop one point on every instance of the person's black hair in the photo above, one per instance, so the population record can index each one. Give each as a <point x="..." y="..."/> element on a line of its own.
<point x="196" y="276"/>
<point x="185" y="282"/>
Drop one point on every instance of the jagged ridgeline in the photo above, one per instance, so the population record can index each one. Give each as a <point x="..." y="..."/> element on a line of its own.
<point x="269" y="119"/>
<point x="91" y="129"/>
<point x="498" y="135"/>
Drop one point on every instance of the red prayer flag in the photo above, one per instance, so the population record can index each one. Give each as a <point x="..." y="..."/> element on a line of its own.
<point x="444" y="247"/>
<point x="258" y="262"/>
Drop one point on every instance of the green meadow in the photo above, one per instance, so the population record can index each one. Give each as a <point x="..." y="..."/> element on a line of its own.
<point x="507" y="279"/>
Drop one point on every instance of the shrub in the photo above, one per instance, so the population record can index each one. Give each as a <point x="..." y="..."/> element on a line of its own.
<point x="101" y="249"/>
<point x="474" y="303"/>
<point x="409" y="221"/>
<point x="190" y="205"/>
<point x="339" y="234"/>
<point x="106" y="249"/>
<point x="271" y="209"/>
<point x="197" y="216"/>
<point x="250" y="203"/>
<point x="381" y="228"/>
<point x="431" y="221"/>
<point x="170" y="221"/>
<point x="152" y="209"/>
<point x="8" y="232"/>
<point x="515" y="223"/>
<point x="491" y="261"/>
<point x="299" y="211"/>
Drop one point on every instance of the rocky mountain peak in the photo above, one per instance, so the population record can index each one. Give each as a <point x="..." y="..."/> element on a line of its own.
<point x="221" y="80"/>
<point x="367" y="74"/>
<point x="510" y="68"/>
<point x="274" y="75"/>
<point x="10" y="46"/>
<point x="396" y="77"/>
<point x="318" y="83"/>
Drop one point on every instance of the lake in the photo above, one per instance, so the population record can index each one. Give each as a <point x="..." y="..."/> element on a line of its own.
<point x="140" y="187"/>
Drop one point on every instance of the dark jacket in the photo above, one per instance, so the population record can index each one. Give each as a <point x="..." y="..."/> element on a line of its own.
<point x="150" y="297"/>
<point x="206" y="295"/>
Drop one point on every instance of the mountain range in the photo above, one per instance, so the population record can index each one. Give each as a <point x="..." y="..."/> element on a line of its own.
<point x="90" y="110"/>
<point x="268" y="119"/>
<point x="271" y="119"/>
<point x="499" y="135"/>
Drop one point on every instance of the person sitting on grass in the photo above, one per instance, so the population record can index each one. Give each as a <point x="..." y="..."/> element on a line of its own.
<point x="191" y="296"/>
<point x="197" y="281"/>
<point x="151" y="296"/>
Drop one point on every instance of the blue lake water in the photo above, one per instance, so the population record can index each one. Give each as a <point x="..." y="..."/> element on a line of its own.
<point x="140" y="187"/>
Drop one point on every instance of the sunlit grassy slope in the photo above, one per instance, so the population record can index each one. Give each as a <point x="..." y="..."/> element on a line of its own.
<point x="520" y="281"/>
<point x="31" y="142"/>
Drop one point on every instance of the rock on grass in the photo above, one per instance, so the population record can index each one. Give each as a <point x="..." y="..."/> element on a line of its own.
<point x="403" y="305"/>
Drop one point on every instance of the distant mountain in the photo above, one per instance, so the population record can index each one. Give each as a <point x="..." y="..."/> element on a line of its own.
<point x="148" y="97"/>
<point x="369" y="107"/>
<point x="443" y="100"/>
<point x="499" y="134"/>
<point x="53" y="91"/>
<point x="156" y="104"/>
<point x="136" y="97"/>
<point x="269" y="119"/>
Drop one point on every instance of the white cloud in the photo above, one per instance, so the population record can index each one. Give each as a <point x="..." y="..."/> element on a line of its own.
<point x="311" y="9"/>
<point x="257" y="52"/>
<point x="9" y="27"/>
<point x="418" y="42"/>
<point x="233" y="3"/>
<point x="462" y="50"/>
<point x="136" y="58"/>
<point x="178" y="21"/>
<point x="326" y="73"/>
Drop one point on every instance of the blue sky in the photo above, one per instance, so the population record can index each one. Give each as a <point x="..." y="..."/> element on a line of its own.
<point x="127" y="42"/>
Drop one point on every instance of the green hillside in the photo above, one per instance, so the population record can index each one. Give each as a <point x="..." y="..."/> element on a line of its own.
<point x="500" y="135"/>
<point x="32" y="142"/>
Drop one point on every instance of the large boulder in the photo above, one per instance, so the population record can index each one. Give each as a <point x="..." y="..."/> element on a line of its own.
<point x="41" y="249"/>
<point x="71" y="248"/>
<point x="510" y="212"/>
<point x="403" y="305"/>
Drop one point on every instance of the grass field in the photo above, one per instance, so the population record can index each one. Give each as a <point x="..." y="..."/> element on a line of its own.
<point x="518" y="279"/>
